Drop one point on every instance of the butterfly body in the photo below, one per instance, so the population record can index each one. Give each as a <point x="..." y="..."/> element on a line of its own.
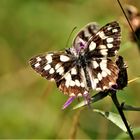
<point x="86" y="65"/>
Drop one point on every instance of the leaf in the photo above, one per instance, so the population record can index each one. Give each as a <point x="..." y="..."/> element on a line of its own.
<point x="81" y="104"/>
<point x="113" y="117"/>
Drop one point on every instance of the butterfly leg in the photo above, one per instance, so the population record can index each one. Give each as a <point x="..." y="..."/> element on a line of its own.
<point x="87" y="98"/>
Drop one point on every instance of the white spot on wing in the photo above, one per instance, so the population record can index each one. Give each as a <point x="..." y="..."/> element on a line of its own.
<point x="79" y="95"/>
<point x="101" y="34"/>
<point x="92" y="46"/>
<point x="95" y="64"/>
<point x="99" y="76"/>
<point x="77" y="83"/>
<point x="68" y="79"/>
<point x="107" y="71"/>
<point x="102" y="47"/>
<point x="57" y="66"/>
<point x="86" y="32"/>
<point x="72" y="95"/>
<point x="47" y="67"/>
<point x="109" y="40"/>
<point x="64" y="58"/>
<point x="103" y="52"/>
<point x="49" y="58"/>
<point x="52" y="79"/>
<point x="96" y="80"/>
<point x="109" y="28"/>
<point x="115" y="30"/>
<point x="98" y="89"/>
<point x="110" y="46"/>
<point x="104" y="74"/>
<point x="73" y="71"/>
<point x="116" y="52"/>
<point x="103" y="64"/>
<point x="105" y="87"/>
<point x="72" y="83"/>
<point x="38" y="59"/>
<point x="82" y="84"/>
<point x="51" y="71"/>
<point x="60" y="70"/>
<point x="111" y="84"/>
<point x="37" y="65"/>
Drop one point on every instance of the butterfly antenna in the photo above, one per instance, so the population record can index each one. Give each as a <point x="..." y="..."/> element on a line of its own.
<point x="70" y="36"/>
<point x="136" y="37"/>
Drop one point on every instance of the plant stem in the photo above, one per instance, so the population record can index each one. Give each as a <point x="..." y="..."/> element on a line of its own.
<point x="119" y="108"/>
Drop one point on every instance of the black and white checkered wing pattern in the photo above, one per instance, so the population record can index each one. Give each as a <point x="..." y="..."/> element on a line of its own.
<point x="86" y="65"/>
<point x="106" y="42"/>
<point x="103" y="73"/>
<point x="61" y="68"/>
<point x="85" y="34"/>
<point x="52" y="66"/>
<point x="74" y="82"/>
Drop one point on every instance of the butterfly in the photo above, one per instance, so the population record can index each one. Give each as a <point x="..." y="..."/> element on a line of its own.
<point x="134" y="17"/>
<point x="122" y="79"/>
<point x="87" y="65"/>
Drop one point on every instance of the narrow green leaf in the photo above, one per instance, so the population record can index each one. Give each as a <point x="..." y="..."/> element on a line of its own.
<point x="113" y="117"/>
<point x="81" y="104"/>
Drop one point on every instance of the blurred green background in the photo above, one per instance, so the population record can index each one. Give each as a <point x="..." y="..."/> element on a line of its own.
<point x="30" y="106"/>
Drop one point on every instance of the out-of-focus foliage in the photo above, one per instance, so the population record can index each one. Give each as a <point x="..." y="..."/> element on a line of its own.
<point x="30" y="106"/>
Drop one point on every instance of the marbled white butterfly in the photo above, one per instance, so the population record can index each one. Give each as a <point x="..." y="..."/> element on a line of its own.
<point x="86" y="65"/>
<point x="134" y="17"/>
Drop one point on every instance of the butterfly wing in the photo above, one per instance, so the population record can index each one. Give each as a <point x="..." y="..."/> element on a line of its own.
<point x="103" y="73"/>
<point x="74" y="82"/>
<point x="84" y="35"/>
<point x="53" y="65"/>
<point x="122" y="79"/>
<point x="62" y="68"/>
<point x="106" y="42"/>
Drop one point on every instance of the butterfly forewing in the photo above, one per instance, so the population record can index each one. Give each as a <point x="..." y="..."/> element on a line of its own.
<point x="52" y="66"/>
<point x="106" y="42"/>
<point x="61" y="67"/>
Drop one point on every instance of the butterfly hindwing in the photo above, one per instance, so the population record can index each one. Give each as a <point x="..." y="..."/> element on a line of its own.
<point x="74" y="82"/>
<point x="84" y="35"/>
<point x="103" y="73"/>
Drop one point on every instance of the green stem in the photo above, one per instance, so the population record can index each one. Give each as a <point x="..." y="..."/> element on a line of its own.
<point x="119" y="108"/>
